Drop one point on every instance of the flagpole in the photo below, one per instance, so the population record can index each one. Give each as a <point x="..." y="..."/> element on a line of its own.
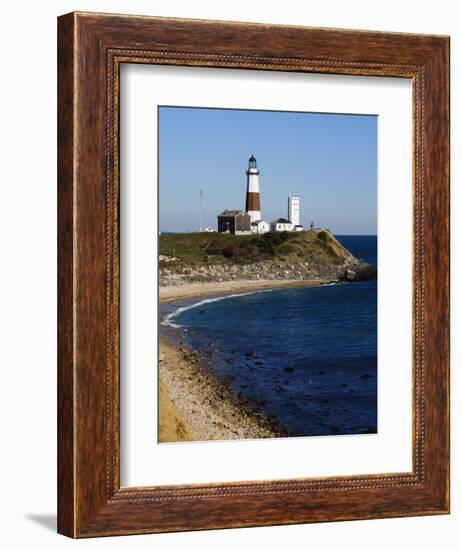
<point x="201" y="207"/>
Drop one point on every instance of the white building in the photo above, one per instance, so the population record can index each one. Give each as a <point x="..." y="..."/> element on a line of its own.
<point x="259" y="227"/>
<point x="293" y="209"/>
<point x="293" y="212"/>
<point x="281" y="224"/>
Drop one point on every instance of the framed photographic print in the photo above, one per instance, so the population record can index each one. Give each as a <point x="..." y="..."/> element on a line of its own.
<point x="253" y="275"/>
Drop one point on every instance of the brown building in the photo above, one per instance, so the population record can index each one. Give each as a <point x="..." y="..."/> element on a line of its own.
<point x="234" y="221"/>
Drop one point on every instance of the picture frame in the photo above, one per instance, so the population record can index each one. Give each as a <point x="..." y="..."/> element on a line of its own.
<point x="91" y="49"/>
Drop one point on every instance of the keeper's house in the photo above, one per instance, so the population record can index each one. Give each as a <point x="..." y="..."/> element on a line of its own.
<point x="236" y="222"/>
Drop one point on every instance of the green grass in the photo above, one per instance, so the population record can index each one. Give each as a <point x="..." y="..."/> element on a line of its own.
<point x="211" y="248"/>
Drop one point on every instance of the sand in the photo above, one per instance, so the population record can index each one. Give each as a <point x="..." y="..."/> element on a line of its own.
<point x="193" y="405"/>
<point x="192" y="290"/>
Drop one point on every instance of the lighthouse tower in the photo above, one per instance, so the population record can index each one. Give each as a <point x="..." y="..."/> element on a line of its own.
<point x="253" y="202"/>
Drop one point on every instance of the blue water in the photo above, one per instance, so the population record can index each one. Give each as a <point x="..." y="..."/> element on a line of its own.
<point x="307" y="356"/>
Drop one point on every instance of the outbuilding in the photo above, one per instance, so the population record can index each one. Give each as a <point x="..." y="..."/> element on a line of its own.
<point x="282" y="224"/>
<point x="236" y="222"/>
<point x="259" y="227"/>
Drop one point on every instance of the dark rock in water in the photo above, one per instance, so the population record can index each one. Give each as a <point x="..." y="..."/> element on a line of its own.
<point x="278" y="388"/>
<point x="289" y="369"/>
<point x="229" y="361"/>
<point x="344" y="385"/>
<point x="360" y="272"/>
<point x="202" y="311"/>
<point x="334" y="429"/>
<point x="321" y="372"/>
<point x="259" y="363"/>
<point x="366" y="376"/>
<point x="233" y="352"/>
<point x="249" y="353"/>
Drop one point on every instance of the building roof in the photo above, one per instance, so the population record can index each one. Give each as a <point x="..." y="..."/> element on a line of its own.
<point x="281" y="220"/>
<point x="256" y="222"/>
<point x="232" y="213"/>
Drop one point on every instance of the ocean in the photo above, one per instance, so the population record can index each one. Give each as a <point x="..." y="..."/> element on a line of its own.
<point x="305" y="355"/>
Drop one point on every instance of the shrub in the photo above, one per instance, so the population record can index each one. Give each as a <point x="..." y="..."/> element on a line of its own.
<point x="287" y="249"/>
<point x="231" y="251"/>
<point x="323" y="236"/>
<point x="215" y="247"/>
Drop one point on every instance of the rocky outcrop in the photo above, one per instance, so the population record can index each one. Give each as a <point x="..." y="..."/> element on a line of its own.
<point x="350" y="270"/>
<point x="360" y="272"/>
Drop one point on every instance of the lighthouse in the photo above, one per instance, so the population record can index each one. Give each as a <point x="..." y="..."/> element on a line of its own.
<point x="253" y="202"/>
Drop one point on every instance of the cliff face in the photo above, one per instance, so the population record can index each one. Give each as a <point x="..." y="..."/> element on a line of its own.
<point x="311" y="255"/>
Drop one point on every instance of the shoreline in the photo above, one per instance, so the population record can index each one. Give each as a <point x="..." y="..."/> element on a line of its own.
<point x="195" y="406"/>
<point x="169" y="294"/>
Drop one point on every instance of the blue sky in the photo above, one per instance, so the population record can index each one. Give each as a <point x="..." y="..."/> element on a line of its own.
<point x="329" y="160"/>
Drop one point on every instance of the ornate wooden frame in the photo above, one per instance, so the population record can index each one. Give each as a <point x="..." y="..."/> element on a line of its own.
<point x="91" y="49"/>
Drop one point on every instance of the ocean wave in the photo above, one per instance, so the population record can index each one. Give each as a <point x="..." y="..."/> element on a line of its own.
<point x="167" y="321"/>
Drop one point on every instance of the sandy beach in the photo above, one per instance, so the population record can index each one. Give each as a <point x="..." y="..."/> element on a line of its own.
<point x="193" y="405"/>
<point x="193" y="290"/>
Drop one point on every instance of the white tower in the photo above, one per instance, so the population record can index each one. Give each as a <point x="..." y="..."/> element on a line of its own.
<point x="253" y="201"/>
<point x="293" y="209"/>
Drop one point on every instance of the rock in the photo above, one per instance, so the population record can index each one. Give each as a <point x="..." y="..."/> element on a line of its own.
<point x="365" y="376"/>
<point x="289" y="369"/>
<point x="360" y="272"/>
<point x="249" y="353"/>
